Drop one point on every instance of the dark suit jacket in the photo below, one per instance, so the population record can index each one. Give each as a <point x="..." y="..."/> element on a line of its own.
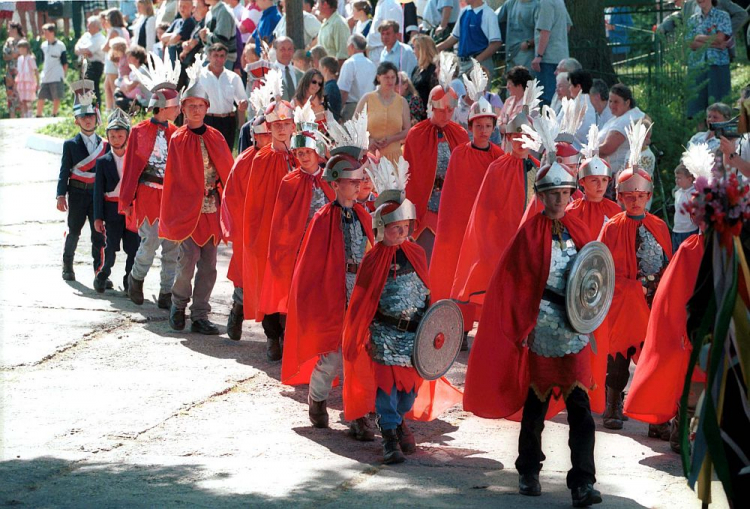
<point x="246" y="136"/>
<point x="74" y="151"/>
<point x="106" y="181"/>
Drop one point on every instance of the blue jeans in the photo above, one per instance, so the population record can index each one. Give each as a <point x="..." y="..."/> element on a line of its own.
<point x="679" y="238"/>
<point x="392" y="407"/>
<point x="547" y="79"/>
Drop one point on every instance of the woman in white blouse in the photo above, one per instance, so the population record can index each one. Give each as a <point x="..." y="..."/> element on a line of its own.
<point x="614" y="146"/>
<point x="144" y="26"/>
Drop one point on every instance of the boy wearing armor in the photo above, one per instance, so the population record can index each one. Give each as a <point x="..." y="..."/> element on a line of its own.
<point x="641" y="247"/>
<point x="524" y="329"/>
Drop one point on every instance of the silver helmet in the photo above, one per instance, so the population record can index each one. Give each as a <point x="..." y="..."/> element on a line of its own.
<point x="84" y="102"/>
<point x="592" y="165"/>
<point x="118" y="119"/>
<point x="634" y="178"/>
<point x="194" y="88"/>
<point x="391" y="205"/>
<point x="475" y="87"/>
<point x="348" y="148"/>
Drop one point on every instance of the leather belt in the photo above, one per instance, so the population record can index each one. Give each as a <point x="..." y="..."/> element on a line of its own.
<point x="220" y="115"/>
<point x="401" y="324"/>
<point x="80" y="185"/>
<point x="151" y="178"/>
<point x="553" y="297"/>
<point x="352" y="268"/>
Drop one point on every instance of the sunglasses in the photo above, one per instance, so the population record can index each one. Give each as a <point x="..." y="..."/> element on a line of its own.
<point x="315" y="82"/>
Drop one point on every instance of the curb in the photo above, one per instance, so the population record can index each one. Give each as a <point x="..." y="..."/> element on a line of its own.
<point x="45" y="143"/>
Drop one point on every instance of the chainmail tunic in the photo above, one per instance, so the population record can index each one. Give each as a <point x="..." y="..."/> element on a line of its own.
<point x="355" y="242"/>
<point x="651" y="261"/>
<point x="553" y="336"/>
<point x="209" y="180"/>
<point x="318" y="200"/>
<point x="157" y="161"/>
<point x="443" y="156"/>
<point x="404" y="297"/>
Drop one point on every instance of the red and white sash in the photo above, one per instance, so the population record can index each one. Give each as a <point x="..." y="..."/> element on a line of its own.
<point x="84" y="170"/>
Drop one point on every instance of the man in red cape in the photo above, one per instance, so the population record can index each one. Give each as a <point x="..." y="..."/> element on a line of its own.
<point x="270" y="165"/>
<point x="466" y="170"/>
<point x="525" y="305"/>
<point x="301" y="194"/>
<point x="232" y="219"/>
<point x="323" y="280"/>
<point x="641" y="247"/>
<point x="141" y="191"/>
<point x="198" y="164"/>
<point x="658" y="381"/>
<point x="428" y="149"/>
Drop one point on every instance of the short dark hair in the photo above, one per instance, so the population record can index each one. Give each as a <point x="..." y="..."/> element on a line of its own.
<point x="384" y="68"/>
<point x="330" y="64"/>
<point x="311" y="3"/>
<point x="622" y="90"/>
<point x="139" y="53"/>
<point x="599" y="87"/>
<point x="333" y="4"/>
<point x="50" y="27"/>
<point x="581" y="78"/>
<point x="389" y="23"/>
<point x="18" y="28"/>
<point x="519" y="75"/>
<point x="681" y="169"/>
<point x="217" y="46"/>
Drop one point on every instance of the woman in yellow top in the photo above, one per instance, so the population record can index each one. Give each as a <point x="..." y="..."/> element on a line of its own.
<point x="388" y="118"/>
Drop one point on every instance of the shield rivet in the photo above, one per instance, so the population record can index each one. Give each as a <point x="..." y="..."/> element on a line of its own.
<point x="439" y="341"/>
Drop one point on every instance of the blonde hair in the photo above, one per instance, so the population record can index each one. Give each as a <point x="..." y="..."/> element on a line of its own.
<point x="426" y="50"/>
<point x="403" y="78"/>
<point x="117" y="44"/>
<point x="149" y="6"/>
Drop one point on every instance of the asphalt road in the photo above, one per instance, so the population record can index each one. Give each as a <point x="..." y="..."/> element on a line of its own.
<point x="102" y="405"/>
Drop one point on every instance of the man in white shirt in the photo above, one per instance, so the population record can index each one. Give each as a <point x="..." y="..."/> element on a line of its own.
<point x="89" y="46"/>
<point x="290" y="75"/>
<point x="599" y="97"/>
<point x="394" y="51"/>
<point x="310" y="22"/>
<point x="224" y="89"/>
<point x="441" y="15"/>
<point x="357" y="76"/>
<point x="384" y="11"/>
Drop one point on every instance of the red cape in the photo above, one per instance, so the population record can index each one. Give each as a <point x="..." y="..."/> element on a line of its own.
<point x="660" y="374"/>
<point x="317" y="298"/>
<point x="268" y="169"/>
<point x="628" y="315"/>
<point x="184" y="180"/>
<point x="466" y="171"/>
<point x="233" y="206"/>
<point x="288" y="226"/>
<point x="360" y="386"/>
<point x="140" y="145"/>
<point x="497" y="377"/>
<point x="492" y="224"/>
<point x="420" y="150"/>
<point x="594" y="214"/>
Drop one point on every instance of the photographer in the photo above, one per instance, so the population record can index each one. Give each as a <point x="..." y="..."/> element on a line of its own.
<point x="716" y="113"/>
<point x="736" y="151"/>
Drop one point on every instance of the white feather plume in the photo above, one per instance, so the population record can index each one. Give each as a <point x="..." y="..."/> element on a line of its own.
<point x="260" y="99"/>
<point x="84" y="67"/>
<point x="385" y="176"/>
<point x="86" y="98"/>
<point x="304" y="114"/>
<point x="447" y="69"/>
<point x="531" y="140"/>
<point x="194" y="71"/>
<point x="546" y="129"/>
<point x="275" y="83"/>
<point x="159" y="71"/>
<point x="592" y="147"/>
<point x="532" y="96"/>
<point x="352" y="134"/>
<point x="699" y="160"/>
<point x="573" y="113"/>
<point x="636" y="134"/>
<point x="477" y="83"/>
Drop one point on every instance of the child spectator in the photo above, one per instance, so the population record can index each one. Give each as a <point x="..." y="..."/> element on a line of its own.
<point x="161" y="29"/>
<point x="329" y="66"/>
<point x="317" y="53"/>
<point x="28" y="77"/>
<point x="128" y="86"/>
<point x="55" y="62"/>
<point x="684" y="226"/>
<point x="302" y="60"/>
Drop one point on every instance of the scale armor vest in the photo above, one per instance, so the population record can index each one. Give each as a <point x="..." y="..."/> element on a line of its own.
<point x="443" y="157"/>
<point x="318" y="200"/>
<point x="553" y="336"/>
<point x="355" y="242"/>
<point x="404" y="297"/>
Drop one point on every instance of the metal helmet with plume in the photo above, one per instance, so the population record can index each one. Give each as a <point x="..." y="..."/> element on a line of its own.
<point x="634" y="178"/>
<point x="699" y="160"/>
<point x="592" y="164"/>
<point x="194" y="88"/>
<point x="390" y="182"/>
<point x="161" y="80"/>
<point x="530" y="102"/>
<point x="573" y="112"/>
<point x="307" y="134"/>
<point x="476" y="84"/>
<point x="118" y="119"/>
<point x="278" y="109"/>
<point x="349" y="145"/>
<point x="552" y="174"/>
<point x="84" y="102"/>
<point x="442" y="95"/>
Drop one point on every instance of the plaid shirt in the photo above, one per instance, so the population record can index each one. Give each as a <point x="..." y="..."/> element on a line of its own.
<point x="711" y="24"/>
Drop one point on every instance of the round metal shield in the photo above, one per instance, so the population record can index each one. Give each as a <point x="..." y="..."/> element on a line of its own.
<point x="591" y="285"/>
<point x="438" y="339"/>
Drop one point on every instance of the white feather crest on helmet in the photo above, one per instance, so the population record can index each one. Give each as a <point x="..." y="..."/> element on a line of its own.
<point x="447" y="69"/>
<point x="475" y="88"/>
<point x="532" y="96"/>
<point x="260" y="99"/>
<point x="352" y="134"/>
<point x="636" y="134"/>
<point x="390" y="181"/>
<point x="543" y="134"/>
<point x="194" y="88"/>
<point x="573" y="112"/>
<point x="699" y="160"/>
<point x="443" y="96"/>
<point x="634" y="178"/>
<point x="592" y="164"/>
<point x="161" y="73"/>
<point x="307" y="134"/>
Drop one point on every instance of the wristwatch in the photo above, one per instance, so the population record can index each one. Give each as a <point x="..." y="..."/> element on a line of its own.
<point x="539" y="56"/>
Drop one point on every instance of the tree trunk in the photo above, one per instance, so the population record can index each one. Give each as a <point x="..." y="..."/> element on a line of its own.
<point x="295" y="25"/>
<point x="587" y="38"/>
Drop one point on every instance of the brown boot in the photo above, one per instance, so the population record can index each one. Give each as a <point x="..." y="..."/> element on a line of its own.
<point x="135" y="290"/>
<point x="406" y="438"/>
<point x="234" y="323"/>
<point x="674" y="435"/>
<point x="391" y="451"/>
<point x="318" y="413"/>
<point x="361" y="430"/>
<point x="612" y="418"/>
<point x="660" y="431"/>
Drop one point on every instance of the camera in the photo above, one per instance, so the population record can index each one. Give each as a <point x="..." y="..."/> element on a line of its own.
<point x="728" y="129"/>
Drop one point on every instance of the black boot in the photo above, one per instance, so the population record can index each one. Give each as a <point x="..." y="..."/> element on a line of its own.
<point x="612" y="417"/>
<point x="528" y="485"/>
<point x="125" y="284"/>
<point x="177" y="318"/>
<point x="100" y="284"/>
<point x="109" y="284"/>
<point x="135" y="292"/>
<point x="361" y="430"/>
<point x="204" y="326"/>
<point x="674" y="435"/>
<point x="406" y="438"/>
<point x="68" y="274"/>
<point x="586" y="495"/>
<point x="465" y="342"/>
<point x="234" y="323"/>
<point x="391" y="451"/>
<point x="318" y="413"/>
<point x="164" y="301"/>
<point x="273" y="349"/>
<point x="659" y="431"/>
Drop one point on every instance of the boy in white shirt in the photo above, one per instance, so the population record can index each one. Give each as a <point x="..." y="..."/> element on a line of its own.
<point x="684" y="226"/>
<point x="53" y="72"/>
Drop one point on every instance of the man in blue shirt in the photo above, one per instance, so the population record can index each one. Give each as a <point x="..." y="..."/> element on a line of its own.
<point x="266" y="25"/>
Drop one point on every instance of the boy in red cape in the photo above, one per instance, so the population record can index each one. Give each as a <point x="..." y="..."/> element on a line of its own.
<point x="323" y="279"/>
<point x="270" y="165"/>
<point x="658" y="381"/>
<point x="466" y="170"/>
<point x="232" y="219"/>
<point x="301" y="194"/>
<point x="143" y="180"/>
<point x="641" y="247"/>
<point x="428" y="148"/>
<point x="525" y="306"/>
<point x="594" y="175"/>
<point x="392" y="288"/>
<point x="198" y="164"/>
